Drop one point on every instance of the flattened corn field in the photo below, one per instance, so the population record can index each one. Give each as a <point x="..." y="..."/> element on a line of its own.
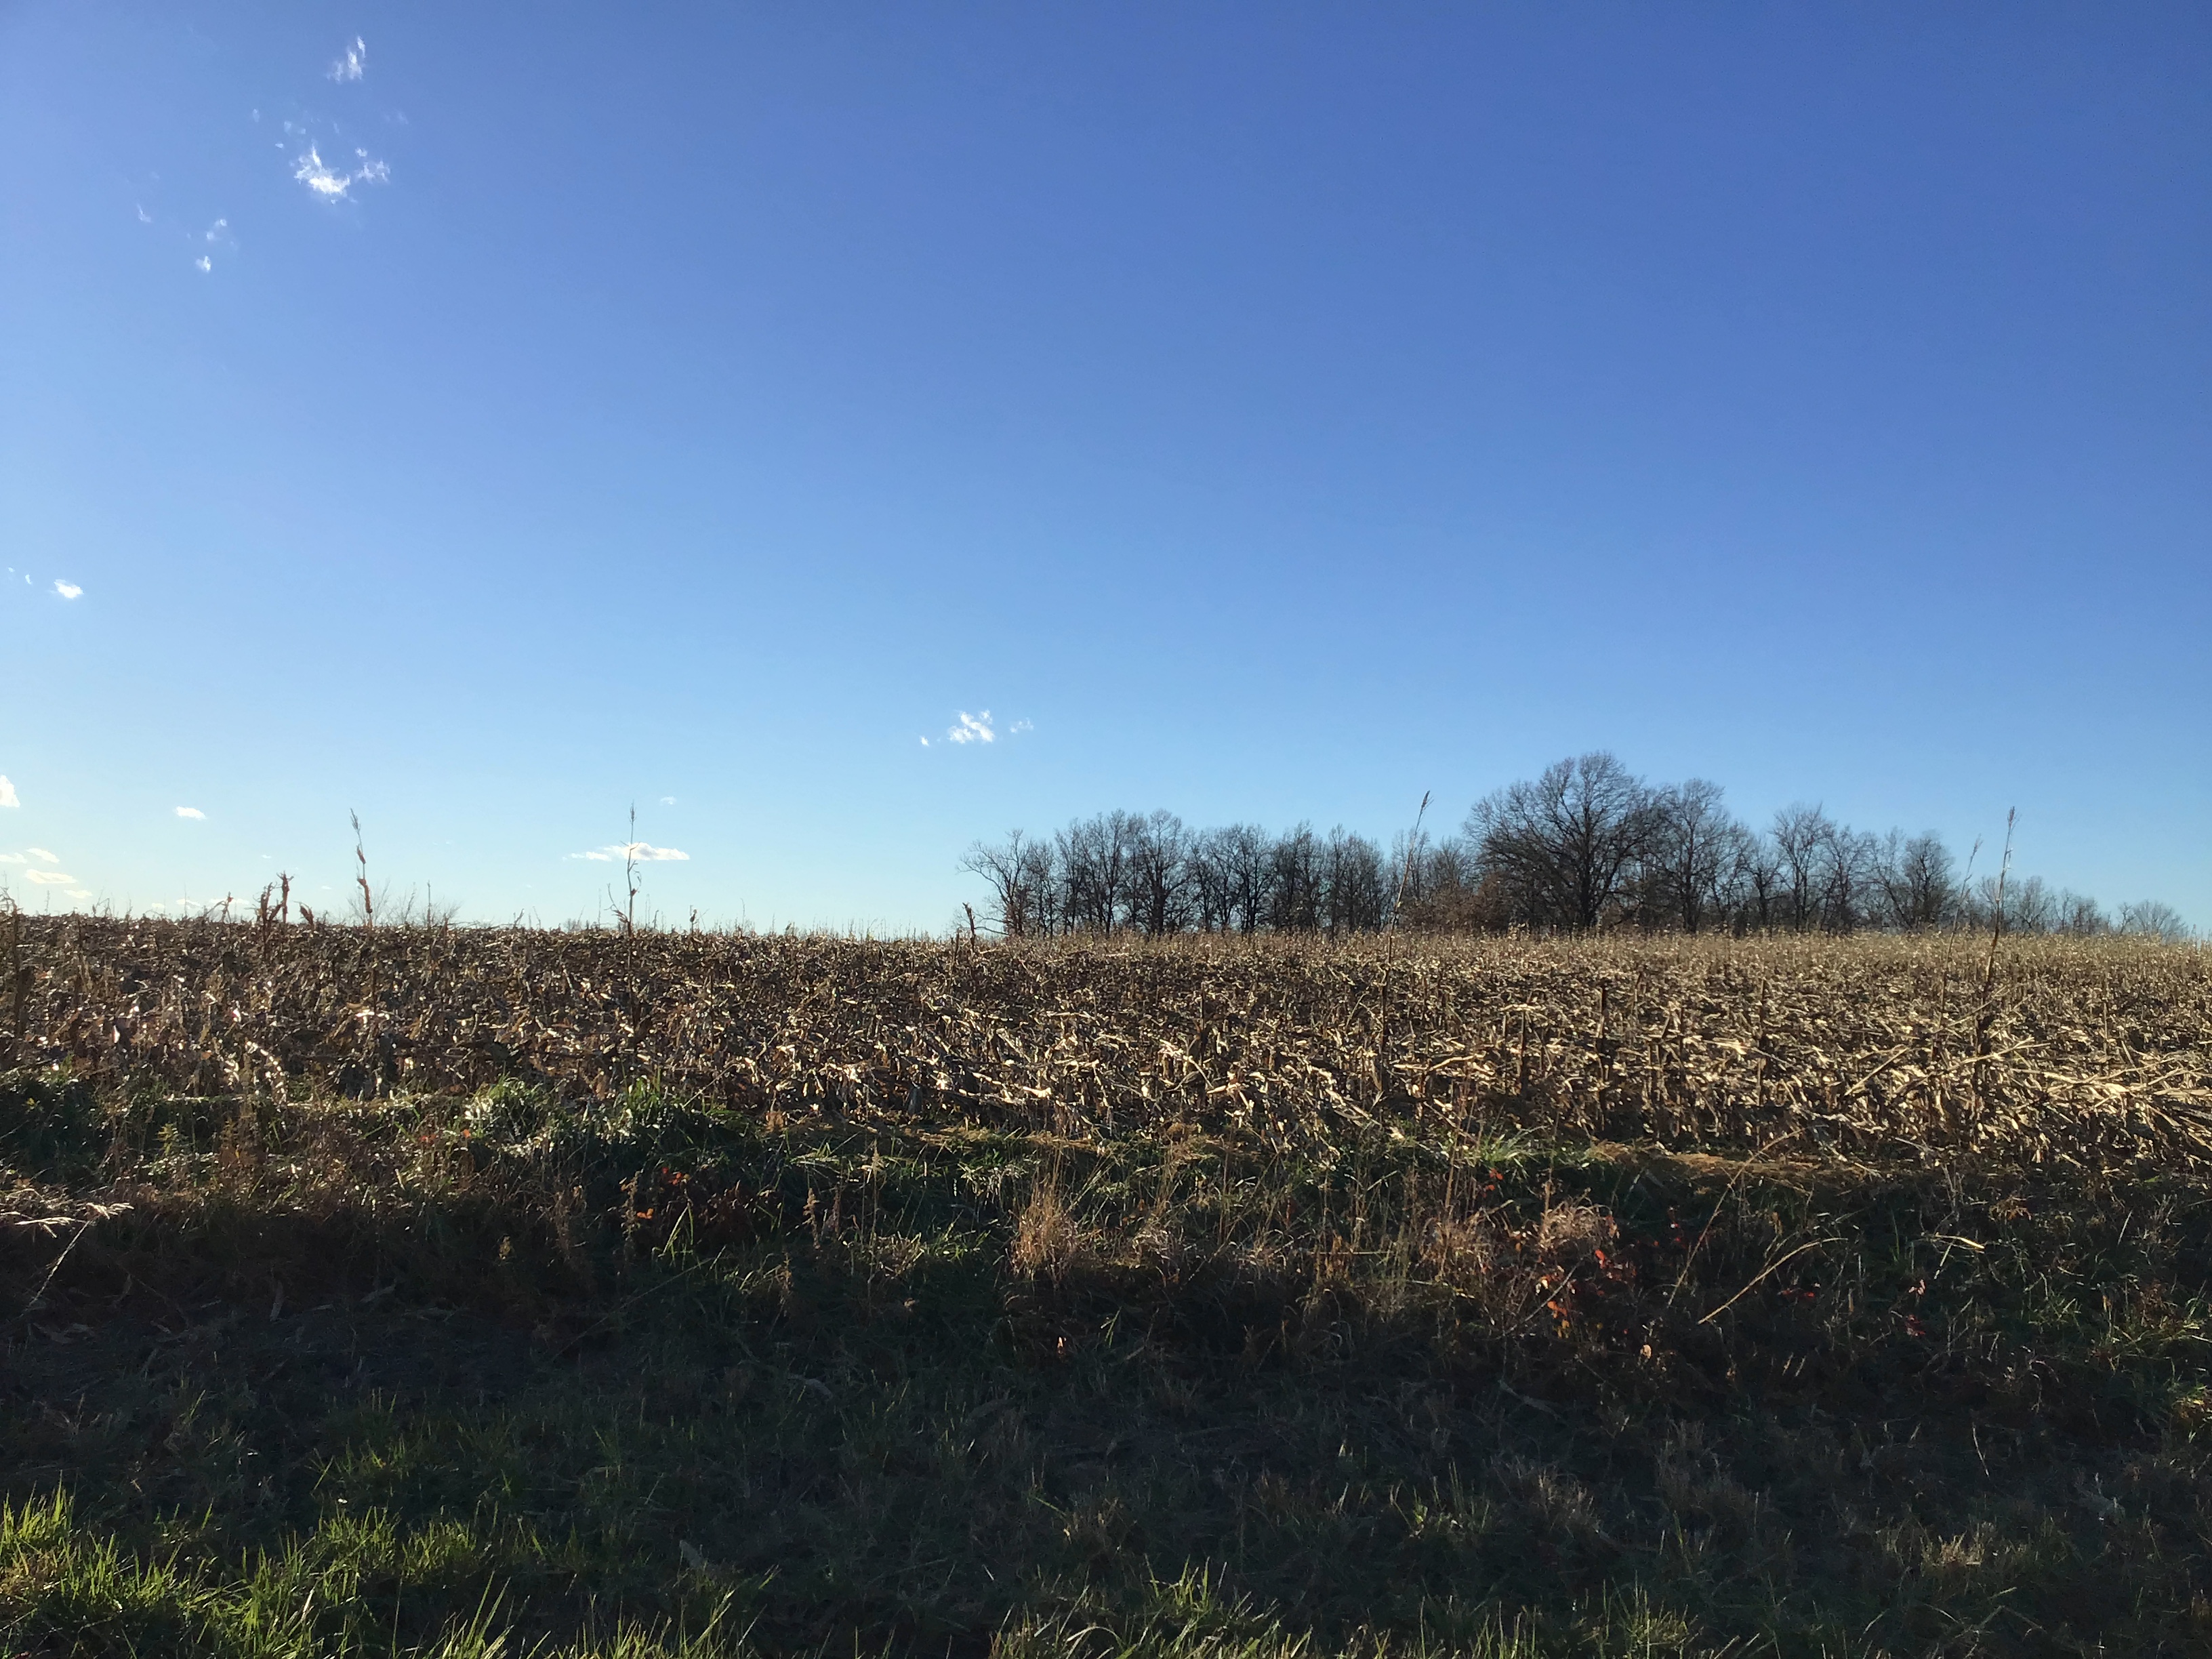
<point x="440" y="1290"/>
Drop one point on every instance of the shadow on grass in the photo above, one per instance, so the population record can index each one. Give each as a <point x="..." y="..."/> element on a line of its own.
<point x="402" y="1374"/>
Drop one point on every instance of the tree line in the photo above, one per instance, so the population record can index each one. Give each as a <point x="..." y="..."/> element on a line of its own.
<point x="1588" y="845"/>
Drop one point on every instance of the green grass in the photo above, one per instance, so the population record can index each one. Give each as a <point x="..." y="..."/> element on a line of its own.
<point x="643" y="1375"/>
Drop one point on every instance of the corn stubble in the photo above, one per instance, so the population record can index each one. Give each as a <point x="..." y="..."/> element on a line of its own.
<point x="1499" y="1295"/>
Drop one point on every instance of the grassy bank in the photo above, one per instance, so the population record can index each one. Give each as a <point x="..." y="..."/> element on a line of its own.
<point x="787" y="1296"/>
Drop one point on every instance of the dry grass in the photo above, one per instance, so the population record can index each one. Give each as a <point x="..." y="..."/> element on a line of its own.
<point x="1501" y="1297"/>
<point x="2096" y="1052"/>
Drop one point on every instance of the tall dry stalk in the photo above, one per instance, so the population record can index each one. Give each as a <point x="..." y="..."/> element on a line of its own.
<point x="1996" y="909"/>
<point x="1406" y="867"/>
<point x="629" y="878"/>
<point x="370" y="1034"/>
<point x="1985" y="1015"/>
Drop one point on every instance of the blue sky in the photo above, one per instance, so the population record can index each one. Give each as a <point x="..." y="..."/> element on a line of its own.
<point x="1275" y="412"/>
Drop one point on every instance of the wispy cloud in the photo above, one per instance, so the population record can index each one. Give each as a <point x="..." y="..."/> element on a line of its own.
<point x="7" y="796"/>
<point x="144" y="217"/>
<point x="354" y="64"/>
<point x="331" y="185"/>
<point x="49" y="878"/>
<point x="216" y="235"/>
<point x="668" y="800"/>
<point x="643" y="850"/>
<point x="190" y="812"/>
<point x="11" y="858"/>
<point x="1020" y="726"/>
<point x="42" y="855"/>
<point x="67" y="590"/>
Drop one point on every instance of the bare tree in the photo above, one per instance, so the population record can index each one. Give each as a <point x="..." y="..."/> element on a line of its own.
<point x="1413" y="858"/>
<point x="1562" y="846"/>
<point x="1246" y="855"/>
<point x="1847" y="873"/>
<point x="2153" y="919"/>
<point x="1354" y="892"/>
<point x="1159" y="875"/>
<point x="2031" y="907"/>
<point x="2082" y="917"/>
<point x="1764" y="890"/>
<point x="1586" y="845"/>
<point x="1454" y="895"/>
<point x="1800" y="835"/>
<point x="1094" y="869"/>
<point x="1047" y="892"/>
<point x="1918" y="890"/>
<point x="1017" y="894"/>
<point x="1696" y="851"/>
<point x="1294" y="881"/>
<point x="1211" y="906"/>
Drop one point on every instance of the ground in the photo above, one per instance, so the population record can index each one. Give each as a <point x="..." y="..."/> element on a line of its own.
<point x="729" y="1295"/>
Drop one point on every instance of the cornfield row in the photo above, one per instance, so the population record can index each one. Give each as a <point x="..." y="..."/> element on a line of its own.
<point x="2048" y="1051"/>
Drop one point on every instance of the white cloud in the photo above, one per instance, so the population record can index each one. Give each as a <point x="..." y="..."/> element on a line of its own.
<point x="11" y="858"/>
<point x="190" y="812"/>
<point x="354" y="64"/>
<point x="7" y="796"/>
<point x="215" y="230"/>
<point x="49" y="877"/>
<point x="144" y="217"/>
<point x="67" y="590"/>
<point x="79" y="893"/>
<point x="42" y="855"/>
<point x="982" y="728"/>
<point x="332" y="186"/>
<point x="203" y="265"/>
<point x="643" y="850"/>
<point x="668" y="800"/>
<point x="925" y="743"/>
